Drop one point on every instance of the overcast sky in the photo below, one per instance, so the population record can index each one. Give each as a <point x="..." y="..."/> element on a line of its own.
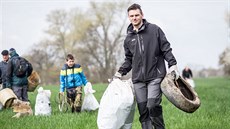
<point x="196" y="29"/>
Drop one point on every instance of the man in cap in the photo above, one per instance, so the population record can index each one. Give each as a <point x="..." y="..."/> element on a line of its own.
<point x="3" y="67"/>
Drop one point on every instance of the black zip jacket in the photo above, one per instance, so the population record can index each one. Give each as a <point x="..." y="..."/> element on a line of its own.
<point x="3" y="68"/>
<point x="146" y="52"/>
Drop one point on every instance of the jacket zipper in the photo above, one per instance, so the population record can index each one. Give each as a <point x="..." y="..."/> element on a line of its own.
<point x="158" y="71"/>
<point x="141" y="49"/>
<point x="139" y="43"/>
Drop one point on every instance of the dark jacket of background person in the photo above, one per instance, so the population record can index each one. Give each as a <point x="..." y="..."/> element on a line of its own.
<point x="145" y="52"/>
<point x="3" y="67"/>
<point x="3" y="70"/>
<point x="187" y="73"/>
<point x="12" y="79"/>
<point x="0" y="76"/>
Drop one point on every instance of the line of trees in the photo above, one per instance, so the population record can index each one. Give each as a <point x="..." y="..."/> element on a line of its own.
<point x="224" y="58"/>
<point x="94" y="36"/>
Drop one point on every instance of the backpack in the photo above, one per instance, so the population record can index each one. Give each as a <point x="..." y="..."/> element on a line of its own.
<point x="22" y="67"/>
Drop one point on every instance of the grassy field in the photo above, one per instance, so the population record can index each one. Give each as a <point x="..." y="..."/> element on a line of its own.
<point x="214" y="112"/>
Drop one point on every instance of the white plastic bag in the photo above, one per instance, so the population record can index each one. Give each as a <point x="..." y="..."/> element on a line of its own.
<point x="88" y="88"/>
<point x="191" y="82"/>
<point x="90" y="103"/>
<point x="43" y="106"/>
<point x="1" y="106"/>
<point x="117" y="106"/>
<point x="1" y="87"/>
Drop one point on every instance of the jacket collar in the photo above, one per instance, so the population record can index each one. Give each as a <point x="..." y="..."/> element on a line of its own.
<point x="13" y="54"/>
<point x="130" y="27"/>
<point x="67" y="67"/>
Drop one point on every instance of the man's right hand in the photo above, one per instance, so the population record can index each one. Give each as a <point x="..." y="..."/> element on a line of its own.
<point x="117" y="75"/>
<point x="174" y="72"/>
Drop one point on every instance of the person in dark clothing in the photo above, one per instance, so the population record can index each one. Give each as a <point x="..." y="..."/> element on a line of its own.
<point x="146" y="48"/>
<point x="187" y="73"/>
<point x="18" y="84"/>
<point x="0" y="79"/>
<point x="3" y="67"/>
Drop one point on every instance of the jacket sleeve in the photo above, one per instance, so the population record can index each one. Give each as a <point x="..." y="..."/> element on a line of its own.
<point x="9" y="73"/>
<point x="166" y="49"/>
<point x="83" y="77"/>
<point x="127" y="65"/>
<point x="183" y="73"/>
<point x="0" y="75"/>
<point x="190" y="71"/>
<point x="62" y="80"/>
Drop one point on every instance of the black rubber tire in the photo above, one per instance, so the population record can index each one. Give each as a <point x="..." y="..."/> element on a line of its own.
<point x="180" y="94"/>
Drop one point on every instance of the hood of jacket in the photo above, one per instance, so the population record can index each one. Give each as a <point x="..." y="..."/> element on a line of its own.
<point x="13" y="54"/>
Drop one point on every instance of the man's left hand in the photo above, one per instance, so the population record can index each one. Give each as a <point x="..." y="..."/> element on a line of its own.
<point x="174" y="71"/>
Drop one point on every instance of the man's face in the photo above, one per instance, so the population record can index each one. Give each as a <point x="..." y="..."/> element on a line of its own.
<point x="70" y="62"/>
<point x="5" y="57"/>
<point x="135" y="17"/>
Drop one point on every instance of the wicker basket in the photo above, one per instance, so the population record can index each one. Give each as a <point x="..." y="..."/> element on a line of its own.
<point x="7" y="97"/>
<point x="33" y="81"/>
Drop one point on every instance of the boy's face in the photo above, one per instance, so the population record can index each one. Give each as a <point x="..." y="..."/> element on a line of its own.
<point x="70" y="62"/>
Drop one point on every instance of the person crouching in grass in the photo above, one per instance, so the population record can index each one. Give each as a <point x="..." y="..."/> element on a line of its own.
<point x="72" y="79"/>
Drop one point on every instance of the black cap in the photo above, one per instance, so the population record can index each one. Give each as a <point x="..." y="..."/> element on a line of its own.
<point x="12" y="49"/>
<point x="5" y="52"/>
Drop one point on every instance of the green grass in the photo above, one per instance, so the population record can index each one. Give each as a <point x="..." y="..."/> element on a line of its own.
<point x="214" y="112"/>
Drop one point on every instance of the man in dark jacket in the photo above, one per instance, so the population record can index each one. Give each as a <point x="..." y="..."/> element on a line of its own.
<point x="146" y="48"/>
<point x="187" y="73"/>
<point x="3" y="67"/>
<point x="18" y="84"/>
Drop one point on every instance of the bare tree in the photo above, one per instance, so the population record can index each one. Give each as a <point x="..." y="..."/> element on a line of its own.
<point x="104" y="37"/>
<point x="224" y="60"/>
<point x="58" y="31"/>
<point x="43" y="60"/>
<point x="94" y="36"/>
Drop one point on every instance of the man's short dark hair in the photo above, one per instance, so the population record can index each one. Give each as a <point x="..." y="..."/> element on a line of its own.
<point x="69" y="57"/>
<point x="134" y="7"/>
<point x="5" y="52"/>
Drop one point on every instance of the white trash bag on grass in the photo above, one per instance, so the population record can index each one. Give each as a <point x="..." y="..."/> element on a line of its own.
<point x="43" y="106"/>
<point x="1" y="106"/>
<point x="191" y="82"/>
<point x="117" y="106"/>
<point x="90" y="103"/>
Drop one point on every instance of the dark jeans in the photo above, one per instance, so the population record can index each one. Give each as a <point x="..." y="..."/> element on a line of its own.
<point x="21" y="92"/>
<point x="3" y="85"/>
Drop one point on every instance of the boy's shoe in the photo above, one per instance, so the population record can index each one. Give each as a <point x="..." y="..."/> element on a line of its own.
<point x="78" y="109"/>
<point x="72" y="109"/>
